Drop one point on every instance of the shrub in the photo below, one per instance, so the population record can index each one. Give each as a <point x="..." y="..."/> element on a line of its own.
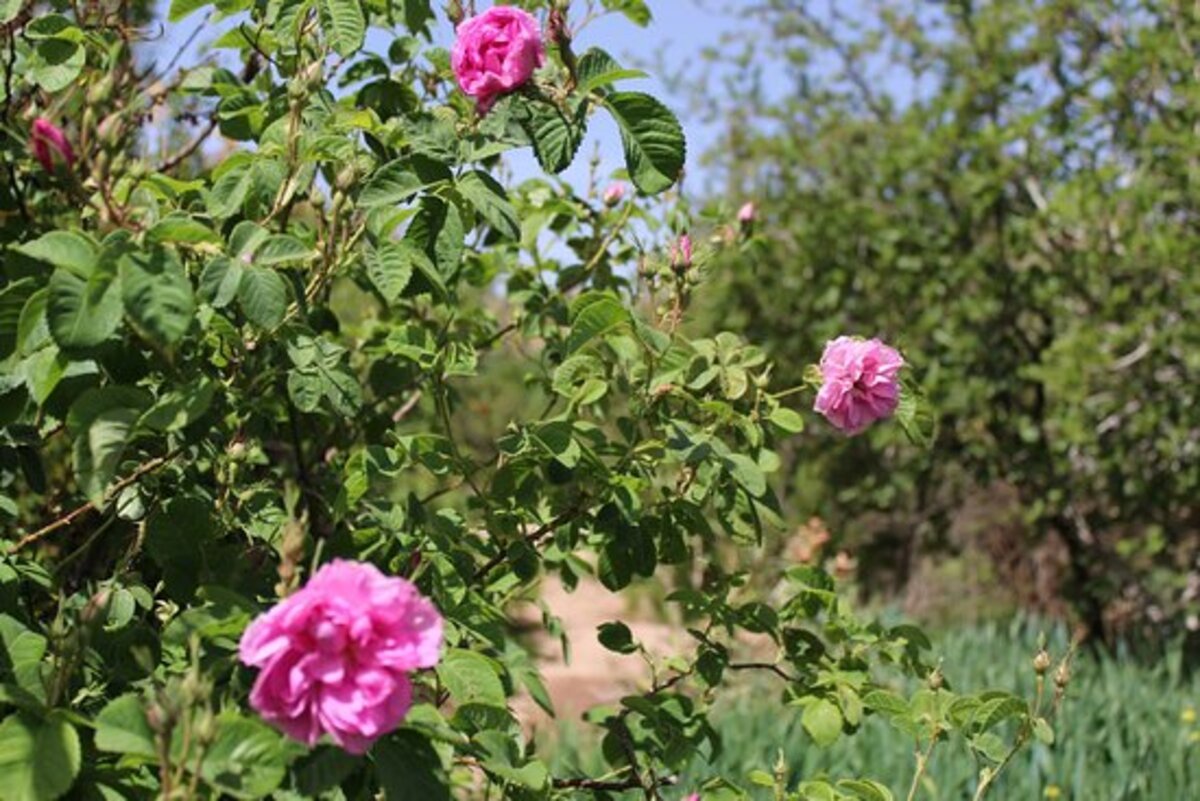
<point x="236" y="391"/>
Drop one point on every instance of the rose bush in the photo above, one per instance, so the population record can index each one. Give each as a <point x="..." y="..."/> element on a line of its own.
<point x="249" y="470"/>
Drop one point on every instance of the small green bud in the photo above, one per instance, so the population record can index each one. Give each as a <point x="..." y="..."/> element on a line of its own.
<point x="1062" y="676"/>
<point x="1041" y="662"/>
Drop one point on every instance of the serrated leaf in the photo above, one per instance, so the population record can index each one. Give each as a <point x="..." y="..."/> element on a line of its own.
<point x="390" y="268"/>
<point x="655" y="147"/>
<point x="556" y="139"/>
<point x="39" y="758"/>
<point x="409" y="769"/>
<point x="471" y="678"/>
<point x="157" y="294"/>
<point x="263" y="297"/>
<point x="102" y="422"/>
<point x="916" y="416"/>
<point x="491" y="201"/>
<point x="83" y="310"/>
<point x="229" y="192"/>
<point x="393" y="183"/>
<point x="597" y="69"/>
<point x="344" y="25"/>
<point x="121" y="728"/>
<point x="279" y="249"/>
<point x="823" y="722"/>
<point x="594" y="316"/>
<point x="219" y="281"/>
<point x="69" y="250"/>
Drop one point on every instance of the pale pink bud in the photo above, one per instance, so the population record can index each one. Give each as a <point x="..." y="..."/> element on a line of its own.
<point x="747" y="213"/>
<point x="50" y="145"/>
<point x="681" y="252"/>
<point x="614" y="194"/>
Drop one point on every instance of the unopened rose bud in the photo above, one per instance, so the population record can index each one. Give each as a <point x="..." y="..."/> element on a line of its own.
<point x="936" y="679"/>
<point x="1062" y="676"/>
<point x="681" y="254"/>
<point x="50" y="146"/>
<point x="747" y="213"/>
<point x="454" y="12"/>
<point x="1041" y="662"/>
<point x="155" y="717"/>
<point x="206" y="727"/>
<point x="614" y="194"/>
<point x="95" y="607"/>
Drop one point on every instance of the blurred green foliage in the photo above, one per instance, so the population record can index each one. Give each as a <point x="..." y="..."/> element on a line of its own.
<point x="1006" y="190"/>
<point x="1126" y="732"/>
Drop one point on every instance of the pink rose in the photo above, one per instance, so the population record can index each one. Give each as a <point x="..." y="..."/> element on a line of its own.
<point x="336" y="655"/>
<point x="747" y="213"/>
<point x="50" y="145"/>
<point x="495" y="53"/>
<point x="859" y="383"/>
<point x="693" y="797"/>
<point x="614" y="194"/>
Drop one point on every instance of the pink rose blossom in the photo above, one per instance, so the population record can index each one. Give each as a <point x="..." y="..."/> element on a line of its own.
<point x="495" y="53"/>
<point x="336" y="655"/>
<point x="747" y="213"/>
<point x="50" y="145"/>
<point x="859" y="383"/>
<point x="614" y="194"/>
<point x="693" y="797"/>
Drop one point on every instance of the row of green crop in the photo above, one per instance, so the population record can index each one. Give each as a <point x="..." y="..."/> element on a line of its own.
<point x="1127" y="732"/>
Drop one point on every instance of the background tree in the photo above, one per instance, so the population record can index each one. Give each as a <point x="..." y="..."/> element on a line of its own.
<point x="1007" y="190"/>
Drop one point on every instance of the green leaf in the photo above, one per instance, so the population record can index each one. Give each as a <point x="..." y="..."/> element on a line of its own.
<point x="56" y="64"/>
<point x="21" y="653"/>
<point x="180" y="407"/>
<point x="655" y="148"/>
<point x="9" y="9"/>
<point x="555" y="138"/>
<point x="617" y="637"/>
<point x="787" y="420"/>
<point x="916" y="415"/>
<point x="39" y="759"/>
<point x="84" y="308"/>
<point x="158" y="294"/>
<point x="390" y="268"/>
<point x="263" y="297"/>
<point x="69" y="250"/>
<point x="393" y="183"/>
<point x="489" y="198"/>
<point x="866" y="789"/>
<point x="597" y="69"/>
<point x="438" y="231"/>
<point x="344" y="25"/>
<point x="822" y="721"/>
<point x="181" y="228"/>
<point x="282" y="249"/>
<point x="121" y="728"/>
<point x="471" y="678"/>
<point x="247" y="759"/>
<point x="319" y="375"/>
<point x="13" y="298"/>
<point x="220" y="281"/>
<point x="229" y="191"/>
<point x="182" y="8"/>
<point x="102" y="422"/>
<point x="409" y="769"/>
<point x="636" y="11"/>
<point x="594" y="315"/>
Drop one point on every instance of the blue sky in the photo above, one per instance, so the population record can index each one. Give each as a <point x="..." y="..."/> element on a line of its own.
<point x="681" y="29"/>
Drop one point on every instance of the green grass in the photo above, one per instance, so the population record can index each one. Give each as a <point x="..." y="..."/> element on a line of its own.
<point x="1122" y="735"/>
